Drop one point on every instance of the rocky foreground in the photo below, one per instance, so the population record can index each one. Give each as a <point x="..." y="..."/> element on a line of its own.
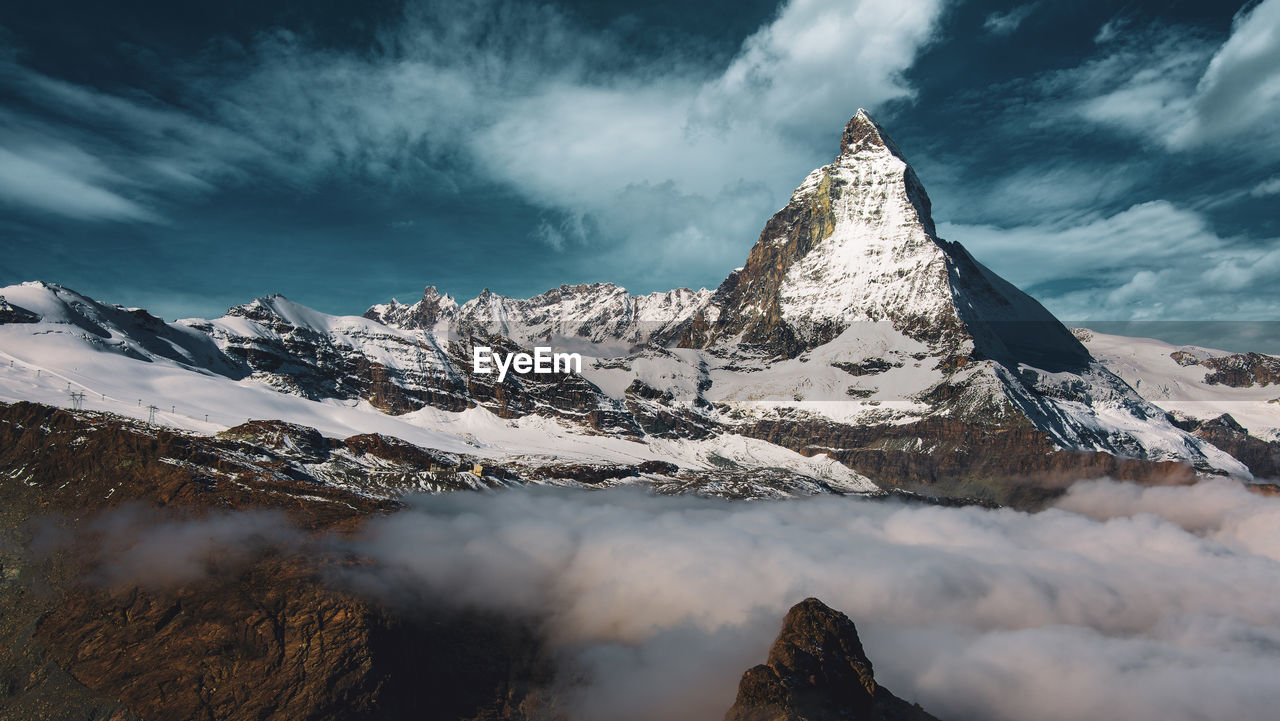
<point x="817" y="671"/>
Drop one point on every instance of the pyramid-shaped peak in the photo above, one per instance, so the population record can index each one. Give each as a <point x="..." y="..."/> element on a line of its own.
<point x="863" y="133"/>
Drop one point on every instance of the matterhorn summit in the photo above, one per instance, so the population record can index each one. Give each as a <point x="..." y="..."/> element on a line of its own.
<point x="857" y="245"/>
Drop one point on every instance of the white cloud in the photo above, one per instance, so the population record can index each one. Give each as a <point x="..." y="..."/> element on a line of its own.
<point x="1183" y="91"/>
<point x="1266" y="187"/>
<point x="1005" y="23"/>
<point x="1110" y="30"/>
<point x="91" y="155"/>
<point x="1052" y="191"/>
<point x="523" y="97"/>
<point x="1122" y="602"/>
<point x="65" y="181"/>
<point x="813" y="65"/>
<point x="1239" y="94"/>
<point x="1152" y="261"/>
<point x="1110" y="607"/>
<point x="1141" y="85"/>
<point x="692" y="164"/>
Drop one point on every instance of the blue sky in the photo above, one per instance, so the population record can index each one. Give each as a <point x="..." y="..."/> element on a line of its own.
<point x="1120" y="161"/>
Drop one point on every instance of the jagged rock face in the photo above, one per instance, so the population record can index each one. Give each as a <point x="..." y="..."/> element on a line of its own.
<point x="273" y="640"/>
<point x="852" y="330"/>
<point x="267" y="636"/>
<point x="397" y="370"/>
<point x="1261" y="456"/>
<point x="817" y="671"/>
<point x="258" y="464"/>
<point x="854" y="244"/>
<point x="434" y="308"/>
<point x="597" y="313"/>
<point x="1019" y="465"/>
<point x="272" y="339"/>
<point x="271" y="634"/>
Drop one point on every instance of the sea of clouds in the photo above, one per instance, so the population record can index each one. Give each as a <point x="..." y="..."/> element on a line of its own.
<point x="1121" y="602"/>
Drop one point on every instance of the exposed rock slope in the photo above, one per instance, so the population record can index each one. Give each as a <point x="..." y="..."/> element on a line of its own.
<point x="817" y="671"/>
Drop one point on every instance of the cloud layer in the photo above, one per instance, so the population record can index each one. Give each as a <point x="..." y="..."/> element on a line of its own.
<point x="1113" y="605"/>
<point x="1141" y="603"/>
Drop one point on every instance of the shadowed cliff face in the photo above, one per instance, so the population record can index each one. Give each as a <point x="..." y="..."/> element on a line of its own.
<point x="817" y="671"/>
<point x="272" y="640"/>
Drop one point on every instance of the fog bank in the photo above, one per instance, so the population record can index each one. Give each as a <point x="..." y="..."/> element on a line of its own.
<point x="1143" y="604"/>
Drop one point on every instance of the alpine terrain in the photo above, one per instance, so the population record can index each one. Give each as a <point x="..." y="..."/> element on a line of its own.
<point x="855" y="351"/>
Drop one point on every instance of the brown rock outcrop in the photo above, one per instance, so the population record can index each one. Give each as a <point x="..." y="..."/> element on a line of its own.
<point x="817" y="671"/>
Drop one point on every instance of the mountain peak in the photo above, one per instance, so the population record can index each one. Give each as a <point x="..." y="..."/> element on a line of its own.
<point x="817" y="670"/>
<point x="863" y="133"/>
<point x="855" y="243"/>
<point x="431" y="295"/>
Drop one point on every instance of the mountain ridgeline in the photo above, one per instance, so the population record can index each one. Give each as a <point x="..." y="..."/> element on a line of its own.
<point x="852" y="333"/>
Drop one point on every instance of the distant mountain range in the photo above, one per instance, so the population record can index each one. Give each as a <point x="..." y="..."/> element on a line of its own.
<point x="855" y="351"/>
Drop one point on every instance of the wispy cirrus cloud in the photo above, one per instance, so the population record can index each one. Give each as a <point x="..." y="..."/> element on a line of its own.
<point x="1184" y="91"/>
<point x="91" y="155"/>
<point x="1008" y="22"/>
<point x="1271" y="186"/>
<point x="63" y="179"/>
<point x="1152" y="261"/>
<point x="1239" y="94"/>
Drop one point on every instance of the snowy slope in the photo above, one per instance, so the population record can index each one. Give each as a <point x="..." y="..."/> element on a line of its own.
<point x="47" y="360"/>
<point x="1149" y="366"/>
<point x="880" y="260"/>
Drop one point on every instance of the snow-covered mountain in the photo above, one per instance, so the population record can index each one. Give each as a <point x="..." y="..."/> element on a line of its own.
<point x="1196" y="382"/>
<point x="601" y="316"/>
<point x="854" y="344"/>
<point x="1231" y="399"/>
